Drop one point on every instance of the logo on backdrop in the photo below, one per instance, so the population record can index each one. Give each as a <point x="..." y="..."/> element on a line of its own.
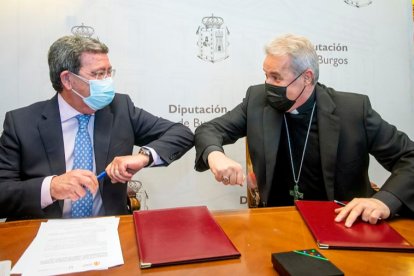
<point x="358" y="3"/>
<point x="213" y="41"/>
<point x="82" y="30"/>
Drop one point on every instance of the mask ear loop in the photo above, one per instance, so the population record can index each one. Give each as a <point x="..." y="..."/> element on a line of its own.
<point x="74" y="91"/>
<point x="82" y="79"/>
<point x="294" y="81"/>
<point x="300" y="94"/>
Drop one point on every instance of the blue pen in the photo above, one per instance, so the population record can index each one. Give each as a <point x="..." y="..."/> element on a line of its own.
<point x="101" y="175"/>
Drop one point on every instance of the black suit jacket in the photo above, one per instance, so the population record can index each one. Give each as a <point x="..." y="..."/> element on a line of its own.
<point x="31" y="148"/>
<point x="349" y="130"/>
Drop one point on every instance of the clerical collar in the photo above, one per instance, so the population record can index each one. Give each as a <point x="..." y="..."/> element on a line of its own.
<point x="306" y="107"/>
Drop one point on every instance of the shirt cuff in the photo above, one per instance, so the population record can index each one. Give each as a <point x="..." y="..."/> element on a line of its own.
<point x="45" y="196"/>
<point x="390" y="200"/>
<point x="157" y="159"/>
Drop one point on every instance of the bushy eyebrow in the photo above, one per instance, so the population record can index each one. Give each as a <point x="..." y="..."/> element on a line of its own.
<point x="273" y="74"/>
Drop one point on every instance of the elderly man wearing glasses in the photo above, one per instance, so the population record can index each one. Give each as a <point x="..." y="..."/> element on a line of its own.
<point x="51" y="151"/>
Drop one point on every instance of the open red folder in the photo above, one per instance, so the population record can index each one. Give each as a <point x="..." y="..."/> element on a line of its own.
<point x="319" y="217"/>
<point x="180" y="235"/>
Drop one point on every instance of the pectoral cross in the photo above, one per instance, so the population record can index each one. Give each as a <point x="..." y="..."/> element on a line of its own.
<point x="295" y="193"/>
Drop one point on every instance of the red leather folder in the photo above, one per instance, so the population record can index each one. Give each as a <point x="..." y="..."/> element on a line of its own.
<point x="319" y="217"/>
<point x="180" y="235"/>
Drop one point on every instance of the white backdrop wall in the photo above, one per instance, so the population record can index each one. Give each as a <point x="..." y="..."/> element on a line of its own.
<point x="153" y="45"/>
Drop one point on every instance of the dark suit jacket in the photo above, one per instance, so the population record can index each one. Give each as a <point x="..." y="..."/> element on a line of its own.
<point x="31" y="147"/>
<point x="349" y="130"/>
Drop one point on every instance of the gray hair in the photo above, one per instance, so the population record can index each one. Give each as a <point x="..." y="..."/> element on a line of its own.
<point x="64" y="54"/>
<point x="299" y="49"/>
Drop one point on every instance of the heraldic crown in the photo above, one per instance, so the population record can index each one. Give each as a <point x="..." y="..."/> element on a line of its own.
<point x="82" y="30"/>
<point x="212" y="22"/>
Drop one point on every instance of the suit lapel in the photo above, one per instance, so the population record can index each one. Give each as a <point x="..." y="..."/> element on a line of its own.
<point x="328" y="128"/>
<point x="50" y="130"/>
<point x="102" y="129"/>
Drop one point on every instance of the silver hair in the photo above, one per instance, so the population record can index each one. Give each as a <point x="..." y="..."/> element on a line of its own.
<point x="64" y="54"/>
<point x="299" y="49"/>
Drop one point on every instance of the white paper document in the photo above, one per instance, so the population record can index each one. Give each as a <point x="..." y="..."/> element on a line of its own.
<point x="5" y="267"/>
<point x="72" y="245"/>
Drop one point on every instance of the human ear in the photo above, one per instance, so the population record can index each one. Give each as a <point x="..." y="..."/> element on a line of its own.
<point x="65" y="80"/>
<point x="308" y="77"/>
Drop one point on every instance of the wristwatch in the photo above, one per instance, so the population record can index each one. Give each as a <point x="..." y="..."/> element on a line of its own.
<point x="146" y="152"/>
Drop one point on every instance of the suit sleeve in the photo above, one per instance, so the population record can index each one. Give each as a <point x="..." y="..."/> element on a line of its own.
<point x="170" y="140"/>
<point x="395" y="152"/>
<point x="18" y="196"/>
<point x="220" y="131"/>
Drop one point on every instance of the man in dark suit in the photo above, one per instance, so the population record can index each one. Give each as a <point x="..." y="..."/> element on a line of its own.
<point x="308" y="141"/>
<point x="38" y="177"/>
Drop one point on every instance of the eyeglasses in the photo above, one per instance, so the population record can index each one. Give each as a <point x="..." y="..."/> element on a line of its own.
<point x="103" y="74"/>
<point x="98" y="75"/>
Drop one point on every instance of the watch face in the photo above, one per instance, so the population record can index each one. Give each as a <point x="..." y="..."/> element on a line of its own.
<point x="147" y="152"/>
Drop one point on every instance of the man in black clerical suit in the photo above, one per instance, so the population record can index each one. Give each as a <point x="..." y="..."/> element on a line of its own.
<point x="39" y="177"/>
<point x="308" y="141"/>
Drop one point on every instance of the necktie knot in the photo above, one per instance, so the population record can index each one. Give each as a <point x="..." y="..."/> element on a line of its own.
<point x="83" y="120"/>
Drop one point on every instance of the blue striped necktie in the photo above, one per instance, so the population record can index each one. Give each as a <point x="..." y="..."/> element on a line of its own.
<point x="83" y="159"/>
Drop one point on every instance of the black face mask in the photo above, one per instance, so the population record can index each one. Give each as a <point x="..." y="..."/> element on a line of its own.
<point x="276" y="96"/>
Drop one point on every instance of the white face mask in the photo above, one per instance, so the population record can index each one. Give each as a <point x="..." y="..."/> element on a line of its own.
<point x="101" y="92"/>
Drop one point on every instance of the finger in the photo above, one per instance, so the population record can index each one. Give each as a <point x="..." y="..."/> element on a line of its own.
<point x="218" y="176"/>
<point x="366" y="214"/>
<point x="121" y="173"/>
<point x="344" y="211"/>
<point x="112" y="168"/>
<point x="374" y="217"/>
<point x="225" y="180"/>
<point x="232" y="179"/>
<point x="116" y="175"/>
<point x="121" y="168"/>
<point x="113" y="173"/>
<point x="352" y="217"/>
<point x="108" y="170"/>
<point x="125" y="174"/>
<point x="121" y="179"/>
<point x="240" y="179"/>
<point x="73" y="197"/>
<point x="79" y="191"/>
<point x="89" y="182"/>
<point x="77" y="194"/>
<point x="338" y="210"/>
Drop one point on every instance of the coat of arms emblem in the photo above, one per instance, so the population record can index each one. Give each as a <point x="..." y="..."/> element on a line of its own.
<point x="213" y="39"/>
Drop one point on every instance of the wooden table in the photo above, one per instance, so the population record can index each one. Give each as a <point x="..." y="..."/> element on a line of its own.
<point x="256" y="233"/>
